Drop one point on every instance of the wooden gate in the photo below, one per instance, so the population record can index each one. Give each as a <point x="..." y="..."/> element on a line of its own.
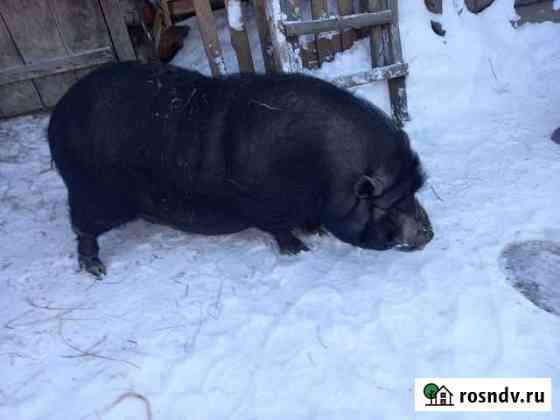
<point x="46" y="45"/>
<point x="379" y="17"/>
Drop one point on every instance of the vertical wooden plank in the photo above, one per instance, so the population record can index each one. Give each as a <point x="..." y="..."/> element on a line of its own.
<point x="16" y="98"/>
<point x="35" y="32"/>
<point x="166" y="13"/>
<point x="239" y="37"/>
<point x="308" y="54"/>
<point x="335" y="38"/>
<point x="397" y="86"/>
<point x="82" y="27"/>
<point x="319" y="10"/>
<point x="207" y="26"/>
<point x="395" y="36"/>
<point x="292" y="9"/>
<point x="286" y="53"/>
<point x="264" y="35"/>
<point x="117" y="29"/>
<point x="379" y="40"/>
<point x="346" y="7"/>
<point x="308" y="43"/>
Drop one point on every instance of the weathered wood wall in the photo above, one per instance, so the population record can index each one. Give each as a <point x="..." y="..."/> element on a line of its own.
<point x="47" y="45"/>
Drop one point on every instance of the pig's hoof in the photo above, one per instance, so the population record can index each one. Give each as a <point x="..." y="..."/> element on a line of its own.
<point x="290" y="245"/>
<point x="313" y="229"/>
<point x="92" y="265"/>
<point x="321" y="231"/>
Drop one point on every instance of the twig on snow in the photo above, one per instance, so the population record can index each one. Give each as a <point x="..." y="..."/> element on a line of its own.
<point x="130" y="394"/>
<point x="55" y="308"/>
<point x="319" y="339"/>
<point x="492" y="69"/>
<point x="9" y="325"/>
<point x="89" y="352"/>
<point x="435" y="193"/>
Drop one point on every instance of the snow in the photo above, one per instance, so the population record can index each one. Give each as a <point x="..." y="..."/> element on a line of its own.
<point x="234" y="15"/>
<point x="187" y="326"/>
<point x="192" y="54"/>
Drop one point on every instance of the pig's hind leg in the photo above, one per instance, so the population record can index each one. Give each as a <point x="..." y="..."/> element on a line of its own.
<point x="95" y="208"/>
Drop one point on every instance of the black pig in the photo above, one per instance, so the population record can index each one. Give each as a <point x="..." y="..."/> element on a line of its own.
<point x="213" y="156"/>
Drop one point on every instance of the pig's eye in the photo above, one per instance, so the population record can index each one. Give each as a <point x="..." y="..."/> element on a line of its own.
<point x="368" y="187"/>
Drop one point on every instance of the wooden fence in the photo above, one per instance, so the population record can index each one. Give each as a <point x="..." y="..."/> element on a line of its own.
<point x="313" y="52"/>
<point x="46" y="45"/>
<point x="299" y="34"/>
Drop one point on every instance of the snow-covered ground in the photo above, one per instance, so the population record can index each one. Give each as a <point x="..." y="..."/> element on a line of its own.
<point x="194" y="327"/>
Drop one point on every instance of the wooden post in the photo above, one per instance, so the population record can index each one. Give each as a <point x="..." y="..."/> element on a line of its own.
<point x="239" y="37"/>
<point x="319" y="10"/>
<point x="346" y="7"/>
<point x="397" y="86"/>
<point x="386" y="50"/>
<point x="166" y="13"/>
<point x="207" y="26"/>
<point x="284" y="49"/>
<point x="380" y="53"/>
<point x="308" y="51"/>
<point x="264" y="35"/>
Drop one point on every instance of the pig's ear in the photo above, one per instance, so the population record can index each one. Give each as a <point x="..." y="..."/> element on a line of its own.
<point x="368" y="187"/>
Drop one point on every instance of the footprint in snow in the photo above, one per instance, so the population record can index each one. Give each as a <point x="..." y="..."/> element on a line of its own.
<point x="533" y="268"/>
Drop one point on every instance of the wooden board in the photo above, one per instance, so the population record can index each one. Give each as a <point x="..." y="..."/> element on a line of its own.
<point x="264" y="35"/>
<point x="397" y="86"/>
<point x="207" y="26"/>
<point x="239" y="37"/>
<point x="19" y="97"/>
<point x="83" y="28"/>
<point x="325" y="52"/>
<point x="54" y="42"/>
<point x="55" y="66"/>
<point x="284" y="48"/>
<point x="348" y="36"/>
<point x="33" y="28"/>
<point x="379" y="38"/>
<point x="377" y="74"/>
<point x="82" y="25"/>
<point x="338" y="23"/>
<point x="117" y="29"/>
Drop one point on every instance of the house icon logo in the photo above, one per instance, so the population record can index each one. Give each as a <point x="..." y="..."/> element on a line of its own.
<point x="438" y="396"/>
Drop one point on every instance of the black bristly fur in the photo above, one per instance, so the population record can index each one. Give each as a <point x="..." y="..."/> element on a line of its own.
<point x="213" y="156"/>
